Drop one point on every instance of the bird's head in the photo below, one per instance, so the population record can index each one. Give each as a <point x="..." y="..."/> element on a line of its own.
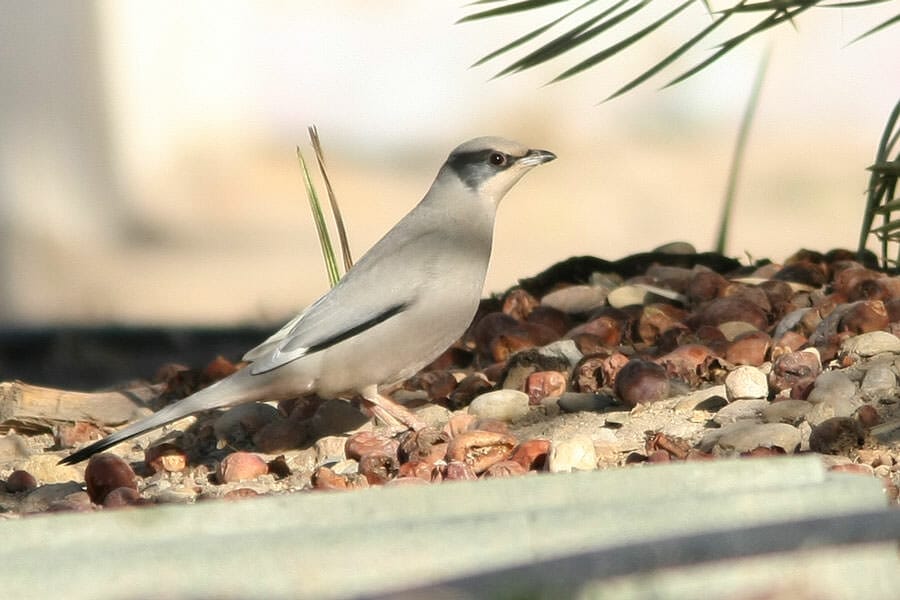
<point x="490" y="166"/>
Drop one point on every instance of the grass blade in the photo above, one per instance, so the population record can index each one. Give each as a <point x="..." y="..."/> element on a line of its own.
<point x="335" y="210"/>
<point x="892" y="21"/>
<point x="324" y="239"/>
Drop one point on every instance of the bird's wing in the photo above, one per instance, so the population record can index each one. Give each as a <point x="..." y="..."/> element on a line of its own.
<point x="324" y="324"/>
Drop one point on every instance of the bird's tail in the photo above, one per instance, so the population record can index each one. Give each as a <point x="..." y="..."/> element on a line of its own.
<point x="223" y="393"/>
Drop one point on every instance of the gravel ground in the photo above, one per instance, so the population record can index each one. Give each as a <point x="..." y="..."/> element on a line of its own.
<point x="658" y="357"/>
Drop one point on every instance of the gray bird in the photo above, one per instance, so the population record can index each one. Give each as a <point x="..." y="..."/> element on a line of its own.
<point x="406" y="300"/>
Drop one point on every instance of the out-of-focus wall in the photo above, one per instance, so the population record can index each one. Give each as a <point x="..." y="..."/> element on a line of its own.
<point x="147" y="168"/>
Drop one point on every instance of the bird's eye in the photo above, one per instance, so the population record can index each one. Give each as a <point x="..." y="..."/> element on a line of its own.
<point x="498" y="159"/>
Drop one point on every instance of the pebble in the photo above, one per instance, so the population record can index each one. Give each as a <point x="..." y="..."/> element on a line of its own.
<point x="572" y="402"/>
<point x="832" y="386"/>
<point x="879" y="381"/>
<point x="746" y="382"/>
<point x="242" y="421"/>
<point x="748" y="409"/>
<point x="576" y="299"/>
<point x="732" y="329"/>
<point x="574" y="454"/>
<point x="106" y="472"/>
<point x="330" y="449"/>
<point x="870" y="344"/>
<point x="565" y="350"/>
<point x="20" y="481"/>
<point x="334" y="417"/>
<point x="786" y="411"/>
<point x="641" y="382"/>
<point x="56" y="496"/>
<point x="433" y="415"/>
<point x="836" y="436"/>
<point x="44" y="468"/>
<point x="503" y="405"/>
<point x="838" y="406"/>
<point x="241" y="466"/>
<point x="627" y="295"/>
<point x="745" y="436"/>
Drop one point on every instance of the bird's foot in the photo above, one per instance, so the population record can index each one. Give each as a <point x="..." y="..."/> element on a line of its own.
<point x="393" y="414"/>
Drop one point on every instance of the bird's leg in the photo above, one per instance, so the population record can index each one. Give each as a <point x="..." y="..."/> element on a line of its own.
<point x="395" y="415"/>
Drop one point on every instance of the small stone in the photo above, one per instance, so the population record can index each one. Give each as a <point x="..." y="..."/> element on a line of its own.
<point x="75" y="434"/>
<point x="468" y="389"/>
<point x="459" y="471"/>
<point x="433" y="415"/>
<point x="627" y="295"/>
<point x="565" y="351"/>
<point x="576" y="299"/>
<point x="45" y="469"/>
<point x="733" y="329"/>
<point x="574" y="454"/>
<point x="366" y="442"/>
<point x="241" y="466"/>
<point x="641" y="382"/>
<point x="480" y="449"/>
<point x="572" y="402"/>
<point x="749" y="349"/>
<point x="837" y="406"/>
<point x="748" y="409"/>
<point x="746" y="382"/>
<point x="56" y="497"/>
<point x="241" y="422"/>
<point x="833" y="386"/>
<point x="334" y="417"/>
<point x="122" y="497"/>
<point x="836" y="436"/>
<point x="879" y="381"/>
<point x="532" y="454"/>
<point x="20" y="481"/>
<point x="378" y="468"/>
<point x="166" y="457"/>
<point x="330" y="449"/>
<point x="870" y="344"/>
<point x="794" y="369"/>
<point x="542" y="384"/>
<point x="106" y="472"/>
<point x="505" y="468"/>
<point x="791" y="412"/>
<point x="868" y="416"/>
<point x="746" y="436"/>
<point x="503" y="405"/>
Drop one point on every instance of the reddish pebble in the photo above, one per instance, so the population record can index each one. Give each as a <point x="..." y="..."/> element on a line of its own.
<point x="426" y="471"/>
<point x="865" y="316"/>
<point x="853" y="468"/>
<point x="378" y="468"/>
<point x="365" y="442"/>
<point x="219" y="368"/>
<point x="240" y="494"/>
<point x="505" y="468"/>
<point x="80" y="432"/>
<point x="241" y="466"/>
<point x="121" y="497"/>
<point x="749" y="349"/>
<point x="459" y="471"/>
<point x="106" y="472"/>
<point x="166" y="457"/>
<point x="868" y="416"/>
<point x="641" y="382"/>
<point x="481" y="449"/>
<point x="532" y="454"/>
<point x="658" y="456"/>
<point x="20" y="481"/>
<point x="542" y="384"/>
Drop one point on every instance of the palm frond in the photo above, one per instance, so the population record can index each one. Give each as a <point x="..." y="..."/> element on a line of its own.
<point x="613" y="17"/>
<point x="881" y="199"/>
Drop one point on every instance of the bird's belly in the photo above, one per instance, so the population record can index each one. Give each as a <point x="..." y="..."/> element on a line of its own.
<point x="390" y="351"/>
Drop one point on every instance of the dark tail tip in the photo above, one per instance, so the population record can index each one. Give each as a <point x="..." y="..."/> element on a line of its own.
<point x="88" y="451"/>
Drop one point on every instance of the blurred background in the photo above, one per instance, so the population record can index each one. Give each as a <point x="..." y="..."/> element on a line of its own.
<point x="148" y="171"/>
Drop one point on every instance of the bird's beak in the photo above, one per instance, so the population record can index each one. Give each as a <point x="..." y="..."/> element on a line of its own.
<point x="536" y="157"/>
